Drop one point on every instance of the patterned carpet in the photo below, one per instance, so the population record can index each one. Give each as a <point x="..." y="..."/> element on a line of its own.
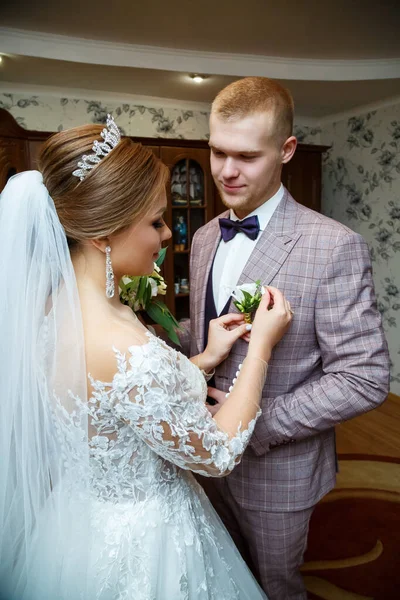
<point x="354" y="541"/>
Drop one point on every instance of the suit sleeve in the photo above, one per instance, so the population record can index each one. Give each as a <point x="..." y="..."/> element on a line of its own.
<point x="185" y="337"/>
<point x="185" y="334"/>
<point x="354" y="355"/>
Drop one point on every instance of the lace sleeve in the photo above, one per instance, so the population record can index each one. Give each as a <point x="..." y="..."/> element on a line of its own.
<point x="161" y="394"/>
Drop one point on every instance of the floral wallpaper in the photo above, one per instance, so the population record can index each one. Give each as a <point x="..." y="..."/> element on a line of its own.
<point x="361" y="188"/>
<point x="48" y="113"/>
<point x="306" y="134"/>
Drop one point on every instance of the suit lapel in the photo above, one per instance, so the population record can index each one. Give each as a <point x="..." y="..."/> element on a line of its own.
<point x="274" y="246"/>
<point x="212" y="237"/>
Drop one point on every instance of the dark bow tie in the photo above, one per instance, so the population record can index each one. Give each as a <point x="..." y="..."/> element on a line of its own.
<point x="249" y="226"/>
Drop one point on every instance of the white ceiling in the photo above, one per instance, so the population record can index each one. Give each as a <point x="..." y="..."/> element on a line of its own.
<point x="338" y="29"/>
<point x="333" y="56"/>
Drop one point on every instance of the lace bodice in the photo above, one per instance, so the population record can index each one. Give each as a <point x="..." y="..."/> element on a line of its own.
<point x="152" y="419"/>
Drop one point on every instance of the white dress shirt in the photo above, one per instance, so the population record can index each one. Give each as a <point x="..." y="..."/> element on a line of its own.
<point x="231" y="257"/>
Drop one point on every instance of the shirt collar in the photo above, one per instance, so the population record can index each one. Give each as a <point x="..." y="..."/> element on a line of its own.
<point x="265" y="211"/>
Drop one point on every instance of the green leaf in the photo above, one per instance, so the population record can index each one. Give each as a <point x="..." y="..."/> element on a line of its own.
<point x="161" y="315"/>
<point x="173" y="336"/>
<point x="122" y="286"/>
<point x="247" y="296"/>
<point x="142" y="287"/>
<point x="166" y="310"/>
<point x="239" y="306"/>
<point x="161" y="256"/>
<point x="133" y="285"/>
<point x="157" y="314"/>
<point x="147" y="295"/>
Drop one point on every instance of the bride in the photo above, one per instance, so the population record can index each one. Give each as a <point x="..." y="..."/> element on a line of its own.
<point x="101" y="423"/>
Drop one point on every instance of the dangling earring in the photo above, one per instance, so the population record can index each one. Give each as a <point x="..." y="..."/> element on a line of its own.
<point x="110" y="287"/>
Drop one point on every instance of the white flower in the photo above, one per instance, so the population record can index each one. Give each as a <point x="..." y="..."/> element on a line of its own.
<point x="154" y="287"/>
<point x="162" y="287"/>
<point x="157" y="268"/>
<point x="126" y="280"/>
<point x="251" y="288"/>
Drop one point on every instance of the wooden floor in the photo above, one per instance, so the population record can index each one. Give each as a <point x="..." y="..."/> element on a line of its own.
<point x="376" y="432"/>
<point x="359" y="565"/>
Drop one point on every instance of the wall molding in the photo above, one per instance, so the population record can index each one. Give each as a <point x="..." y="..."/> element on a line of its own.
<point x="60" y="47"/>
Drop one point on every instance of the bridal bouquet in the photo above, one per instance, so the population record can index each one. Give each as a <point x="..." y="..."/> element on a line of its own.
<point x="141" y="292"/>
<point x="247" y="298"/>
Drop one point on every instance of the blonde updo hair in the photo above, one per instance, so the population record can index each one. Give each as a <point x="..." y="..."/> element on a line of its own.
<point x="120" y="189"/>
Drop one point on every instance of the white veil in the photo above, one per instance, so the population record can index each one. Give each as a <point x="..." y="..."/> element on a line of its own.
<point x="44" y="518"/>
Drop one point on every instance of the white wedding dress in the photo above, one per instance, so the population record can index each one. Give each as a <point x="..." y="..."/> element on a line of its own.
<point x="154" y="534"/>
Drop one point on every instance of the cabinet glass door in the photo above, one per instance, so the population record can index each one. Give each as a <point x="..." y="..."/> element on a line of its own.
<point x="188" y="206"/>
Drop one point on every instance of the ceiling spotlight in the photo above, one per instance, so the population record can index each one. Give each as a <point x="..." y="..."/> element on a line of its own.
<point x="1" y="59"/>
<point x="198" y="78"/>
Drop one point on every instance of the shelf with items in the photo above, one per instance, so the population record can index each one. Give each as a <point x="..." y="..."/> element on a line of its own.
<point x="190" y="206"/>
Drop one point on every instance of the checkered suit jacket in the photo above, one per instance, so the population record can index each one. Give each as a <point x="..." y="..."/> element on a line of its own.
<point x="332" y="364"/>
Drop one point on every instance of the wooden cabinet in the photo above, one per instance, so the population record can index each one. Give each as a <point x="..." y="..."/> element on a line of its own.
<point x="302" y="175"/>
<point x="190" y="205"/>
<point x="12" y="158"/>
<point x="192" y="196"/>
<point x="13" y="148"/>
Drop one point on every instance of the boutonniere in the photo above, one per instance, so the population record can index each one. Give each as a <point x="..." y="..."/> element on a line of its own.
<point x="141" y="294"/>
<point x="247" y="297"/>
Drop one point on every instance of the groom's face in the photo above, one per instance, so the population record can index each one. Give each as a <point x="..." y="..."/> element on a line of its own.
<point x="246" y="160"/>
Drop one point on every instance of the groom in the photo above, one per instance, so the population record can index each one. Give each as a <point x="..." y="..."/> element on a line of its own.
<point x="332" y="364"/>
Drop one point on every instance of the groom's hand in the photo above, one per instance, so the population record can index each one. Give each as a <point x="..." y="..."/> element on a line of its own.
<point x="219" y="398"/>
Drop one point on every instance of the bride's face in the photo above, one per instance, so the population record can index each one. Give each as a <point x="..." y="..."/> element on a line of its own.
<point x="134" y="251"/>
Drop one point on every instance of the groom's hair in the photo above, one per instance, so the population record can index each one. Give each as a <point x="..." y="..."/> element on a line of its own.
<point x="257" y="95"/>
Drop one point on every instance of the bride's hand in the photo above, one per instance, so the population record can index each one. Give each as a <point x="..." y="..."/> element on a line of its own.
<point x="271" y="322"/>
<point x="222" y="334"/>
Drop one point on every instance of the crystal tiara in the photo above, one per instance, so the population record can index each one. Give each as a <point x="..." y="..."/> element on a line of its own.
<point x="111" y="136"/>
